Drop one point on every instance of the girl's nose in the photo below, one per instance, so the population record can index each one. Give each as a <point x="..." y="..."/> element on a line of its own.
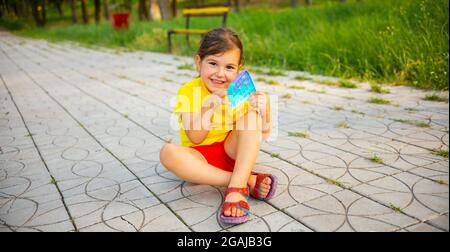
<point x="220" y="72"/>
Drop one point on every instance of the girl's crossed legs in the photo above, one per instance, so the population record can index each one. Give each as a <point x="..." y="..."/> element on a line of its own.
<point x="242" y="145"/>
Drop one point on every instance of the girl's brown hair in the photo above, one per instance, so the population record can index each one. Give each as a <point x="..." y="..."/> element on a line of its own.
<point x="220" y="40"/>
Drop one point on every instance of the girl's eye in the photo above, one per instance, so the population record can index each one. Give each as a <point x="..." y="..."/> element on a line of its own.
<point x="212" y="63"/>
<point x="230" y="67"/>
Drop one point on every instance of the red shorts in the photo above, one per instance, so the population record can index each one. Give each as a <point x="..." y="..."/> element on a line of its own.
<point x="215" y="155"/>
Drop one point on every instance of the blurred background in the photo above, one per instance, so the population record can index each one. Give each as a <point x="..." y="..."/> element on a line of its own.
<point x="397" y="42"/>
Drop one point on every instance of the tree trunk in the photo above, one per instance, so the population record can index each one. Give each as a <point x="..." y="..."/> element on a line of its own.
<point x="84" y="11"/>
<point x="294" y="3"/>
<point x="128" y="5"/>
<point x="97" y="11"/>
<point x="44" y="14"/>
<point x="73" y="7"/>
<point x="58" y="7"/>
<point x="106" y="9"/>
<point x="308" y="2"/>
<point x="143" y="11"/>
<point x="38" y="11"/>
<point x="162" y="9"/>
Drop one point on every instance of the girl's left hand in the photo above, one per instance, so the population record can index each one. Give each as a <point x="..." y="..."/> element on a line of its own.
<point x="258" y="101"/>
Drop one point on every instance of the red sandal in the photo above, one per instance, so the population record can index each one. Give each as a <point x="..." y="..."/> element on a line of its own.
<point x="243" y="205"/>
<point x="260" y="178"/>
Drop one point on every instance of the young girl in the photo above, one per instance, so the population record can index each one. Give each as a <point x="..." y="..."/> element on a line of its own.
<point x="219" y="146"/>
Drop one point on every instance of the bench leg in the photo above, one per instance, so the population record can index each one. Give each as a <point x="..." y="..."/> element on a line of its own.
<point x="169" y="41"/>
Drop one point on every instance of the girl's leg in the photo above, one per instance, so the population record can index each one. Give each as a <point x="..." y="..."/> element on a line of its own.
<point x="189" y="165"/>
<point x="243" y="145"/>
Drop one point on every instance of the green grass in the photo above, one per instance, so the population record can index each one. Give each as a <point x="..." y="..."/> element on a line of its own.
<point x="317" y="91"/>
<point x="298" y="134"/>
<point x="435" y="98"/>
<point x="416" y="123"/>
<point x="398" y="42"/>
<point x="286" y="96"/>
<point x="347" y="84"/>
<point x="376" y="159"/>
<point x="375" y="100"/>
<point x="440" y="152"/>
<point x="275" y="155"/>
<point x="269" y="82"/>
<point x="343" y="125"/>
<point x="377" y="88"/>
<point x="301" y="78"/>
<point x="297" y="87"/>
<point x="186" y="66"/>
<point x="395" y="208"/>
<point x="338" y="108"/>
<point x="334" y="182"/>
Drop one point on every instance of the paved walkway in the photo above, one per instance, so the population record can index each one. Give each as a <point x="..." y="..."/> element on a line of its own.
<point x="81" y="129"/>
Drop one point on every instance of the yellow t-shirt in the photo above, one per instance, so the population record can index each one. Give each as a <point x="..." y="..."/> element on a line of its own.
<point x="190" y="98"/>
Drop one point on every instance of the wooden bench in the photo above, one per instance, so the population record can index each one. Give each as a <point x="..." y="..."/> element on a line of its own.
<point x="198" y="12"/>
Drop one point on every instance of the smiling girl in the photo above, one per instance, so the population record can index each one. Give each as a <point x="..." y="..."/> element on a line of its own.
<point x="219" y="146"/>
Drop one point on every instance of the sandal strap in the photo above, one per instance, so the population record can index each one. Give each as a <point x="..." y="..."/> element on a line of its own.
<point x="243" y="191"/>
<point x="243" y="205"/>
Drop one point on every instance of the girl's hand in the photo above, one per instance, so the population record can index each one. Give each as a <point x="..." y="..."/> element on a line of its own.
<point x="216" y="99"/>
<point x="258" y="101"/>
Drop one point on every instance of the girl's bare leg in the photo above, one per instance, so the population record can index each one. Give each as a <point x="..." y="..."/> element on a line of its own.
<point x="189" y="165"/>
<point x="243" y="145"/>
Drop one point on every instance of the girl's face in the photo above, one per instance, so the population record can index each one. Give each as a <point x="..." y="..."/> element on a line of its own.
<point x="217" y="71"/>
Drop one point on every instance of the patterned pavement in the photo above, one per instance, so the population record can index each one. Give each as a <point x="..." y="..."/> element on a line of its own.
<point x="81" y="129"/>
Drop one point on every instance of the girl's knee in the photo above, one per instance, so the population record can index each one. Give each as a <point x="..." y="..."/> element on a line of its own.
<point x="167" y="151"/>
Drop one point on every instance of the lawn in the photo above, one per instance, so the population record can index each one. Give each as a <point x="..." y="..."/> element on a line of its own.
<point x="400" y="42"/>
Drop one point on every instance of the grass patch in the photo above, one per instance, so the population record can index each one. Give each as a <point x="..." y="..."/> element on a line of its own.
<point x="435" y="98"/>
<point x="376" y="100"/>
<point x="357" y="112"/>
<point x="442" y="182"/>
<point x="376" y="159"/>
<point x="269" y="82"/>
<point x="301" y="78"/>
<point x="298" y="134"/>
<point x="275" y="155"/>
<point x="377" y="88"/>
<point x="317" y="91"/>
<point x="416" y="123"/>
<point x="337" y="108"/>
<point x="440" y="152"/>
<point x="275" y="72"/>
<point x="297" y="87"/>
<point x="328" y="82"/>
<point x="395" y="208"/>
<point x="185" y="66"/>
<point x="347" y="84"/>
<point x="335" y="182"/>
<point x="343" y="125"/>
<point x="286" y="96"/>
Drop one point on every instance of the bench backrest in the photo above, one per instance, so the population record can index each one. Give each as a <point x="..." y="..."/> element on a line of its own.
<point x="206" y="11"/>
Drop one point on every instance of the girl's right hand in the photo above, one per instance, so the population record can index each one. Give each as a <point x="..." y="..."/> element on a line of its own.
<point x="215" y="99"/>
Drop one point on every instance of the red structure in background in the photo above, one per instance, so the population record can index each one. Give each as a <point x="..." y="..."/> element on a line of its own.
<point x="120" y="20"/>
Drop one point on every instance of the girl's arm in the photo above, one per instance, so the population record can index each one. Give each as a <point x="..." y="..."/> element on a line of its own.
<point x="198" y="124"/>
<point x="260" y="101"/>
